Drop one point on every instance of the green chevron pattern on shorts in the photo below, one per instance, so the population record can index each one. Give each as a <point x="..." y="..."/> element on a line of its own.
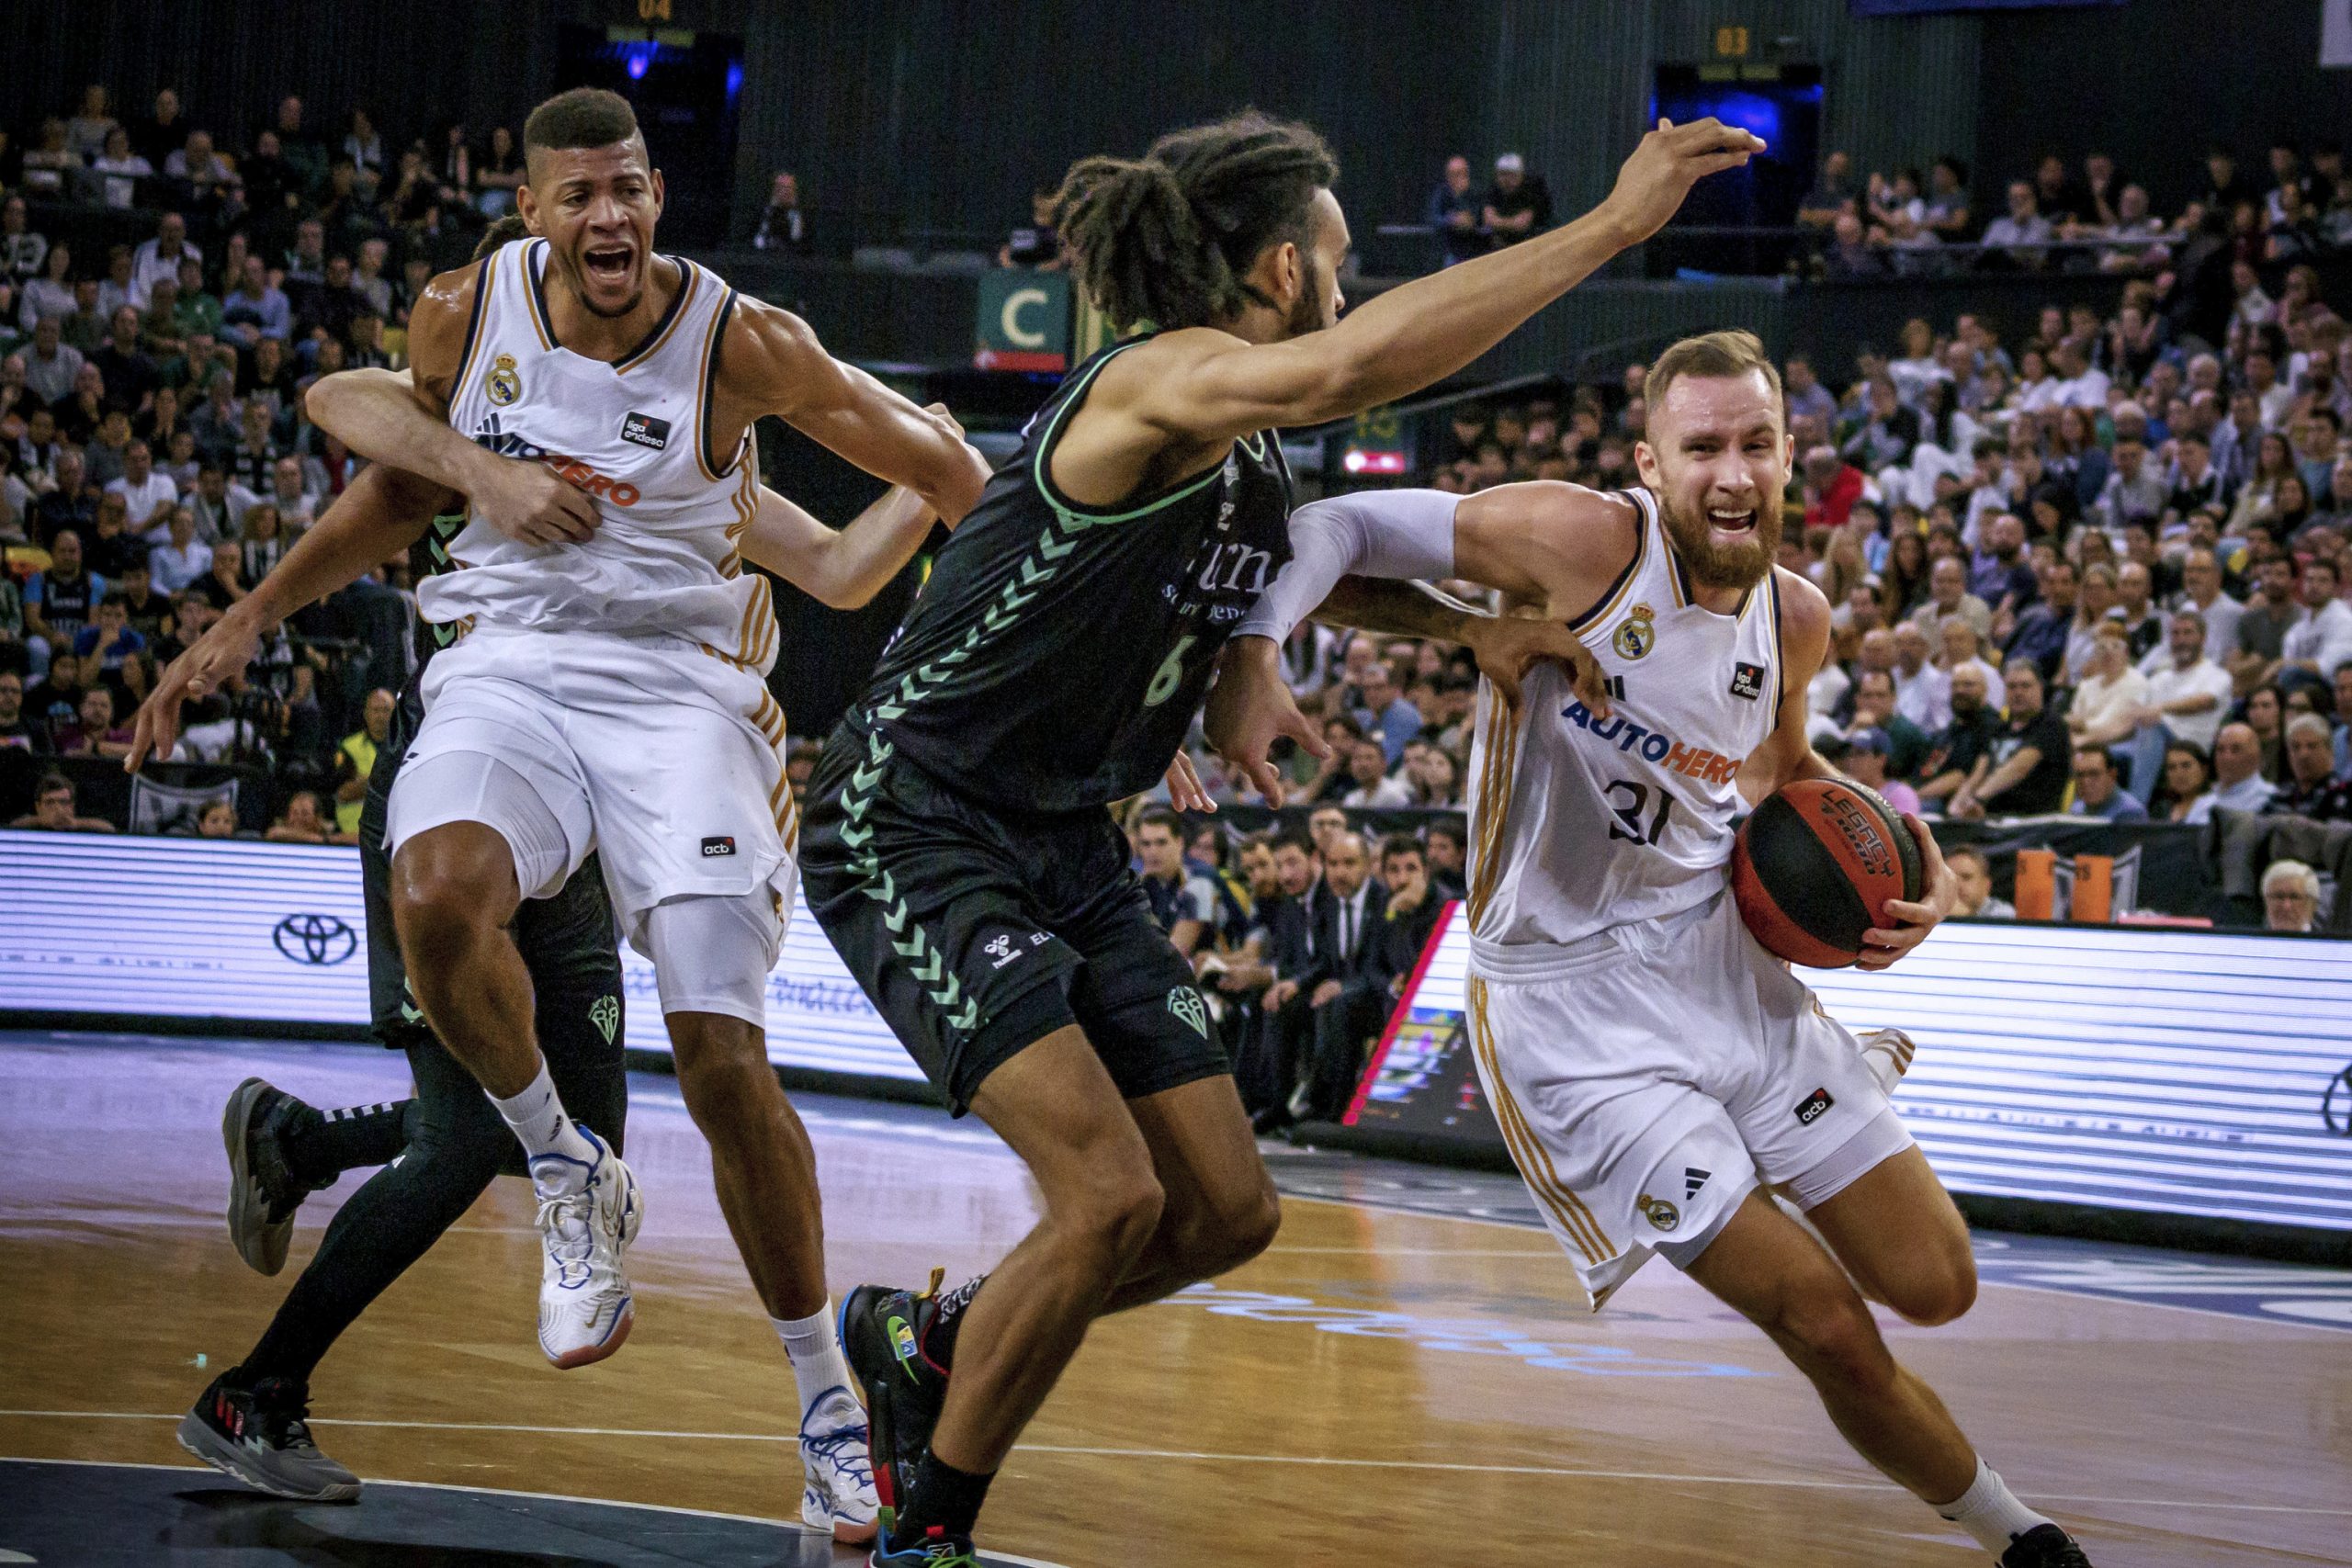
<point x="908" y="939"/>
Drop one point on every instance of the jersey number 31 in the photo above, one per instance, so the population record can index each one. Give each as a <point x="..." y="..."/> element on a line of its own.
<point x="1629" y="825"/>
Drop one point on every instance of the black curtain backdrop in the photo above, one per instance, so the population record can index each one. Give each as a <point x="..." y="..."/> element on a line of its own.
<point x="2151" y="84"/>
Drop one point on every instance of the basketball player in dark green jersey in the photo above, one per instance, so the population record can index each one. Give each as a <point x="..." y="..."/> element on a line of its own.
<point x="960" y="855"/>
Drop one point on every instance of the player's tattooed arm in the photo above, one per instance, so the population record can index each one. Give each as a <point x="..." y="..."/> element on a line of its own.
<point x="771" y="363"/>
<point x="840" y="568"/>
<point x="403" y="420"/>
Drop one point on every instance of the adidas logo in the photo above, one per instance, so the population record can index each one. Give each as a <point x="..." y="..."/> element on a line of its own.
<point x="1692" y="1180"/>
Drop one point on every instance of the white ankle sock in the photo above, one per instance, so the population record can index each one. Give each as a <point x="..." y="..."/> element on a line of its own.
<point x="541" y="1127"/>
<point x="1990" y="1512"/>
<point x="816" y="1352"/>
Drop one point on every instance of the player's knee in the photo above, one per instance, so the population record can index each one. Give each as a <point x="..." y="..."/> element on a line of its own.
<point x="1120" y="1210"/>
<point x="724" y="1075"/>
<point x="1827" y="1330"/>
<point x="1247" y="1228"/>
<point x="1222" y="1233"/>
<point x="438" y="903"/>
<point x="1936" y="1292"/>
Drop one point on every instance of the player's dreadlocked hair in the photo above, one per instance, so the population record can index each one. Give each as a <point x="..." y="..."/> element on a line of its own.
<point x="1170" y="238"/>
<point x="510" y="227"/>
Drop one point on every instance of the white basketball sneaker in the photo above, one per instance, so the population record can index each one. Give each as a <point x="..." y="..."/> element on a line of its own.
<point x="586" y="1309"/>
<point x="1888" y="1054"/>
<point x="837" y="1471"/>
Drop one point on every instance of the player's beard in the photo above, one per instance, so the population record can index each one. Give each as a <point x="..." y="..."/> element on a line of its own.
<point x="1712" y="563"/>
<point x="1307" y="314"/>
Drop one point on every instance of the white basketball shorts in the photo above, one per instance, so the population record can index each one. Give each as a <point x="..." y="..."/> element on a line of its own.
<point x="1647" y="1077"/>
<point x="663" y="758"/>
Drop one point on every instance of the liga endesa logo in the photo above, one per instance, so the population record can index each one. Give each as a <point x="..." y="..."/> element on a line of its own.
<point x="314" y="940"/>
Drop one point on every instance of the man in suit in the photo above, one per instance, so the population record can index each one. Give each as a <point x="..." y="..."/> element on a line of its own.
<point x="1268" y="1072"/>
<point x="1346" y="987"/>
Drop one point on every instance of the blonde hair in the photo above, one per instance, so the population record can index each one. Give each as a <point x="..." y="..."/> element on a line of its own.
<point x="1711" y="354"/>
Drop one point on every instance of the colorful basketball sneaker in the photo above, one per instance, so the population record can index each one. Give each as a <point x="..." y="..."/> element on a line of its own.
<point x="882" y="1331"/>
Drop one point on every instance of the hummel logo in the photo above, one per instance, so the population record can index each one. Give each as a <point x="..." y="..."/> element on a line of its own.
<point x="1692" y="1180"/>
<point x="1000" y="948"/>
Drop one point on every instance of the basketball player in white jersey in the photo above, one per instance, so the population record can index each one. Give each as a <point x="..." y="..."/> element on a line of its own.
<point x="608" y="690"/>
<point x="1656" y="1074"/>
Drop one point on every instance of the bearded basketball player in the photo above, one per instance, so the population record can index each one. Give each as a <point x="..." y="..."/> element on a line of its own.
<point x="959" y="852"/>
<point x="1654" y="1071"/>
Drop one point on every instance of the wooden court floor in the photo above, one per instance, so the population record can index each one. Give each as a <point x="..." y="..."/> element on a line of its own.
<point x="1380" y="1388"/>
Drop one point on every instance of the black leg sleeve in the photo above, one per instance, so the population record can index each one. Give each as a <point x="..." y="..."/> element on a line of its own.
<point x="391" y="1221"/>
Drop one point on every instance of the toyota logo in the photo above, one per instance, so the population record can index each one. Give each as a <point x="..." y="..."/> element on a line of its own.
<point x="2327" y="1108"/>
<point x="315" y="939"/>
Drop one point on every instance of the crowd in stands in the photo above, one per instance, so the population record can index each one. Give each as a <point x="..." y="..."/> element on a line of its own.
<point x="2101" y="568"/>
<point x="2091" y="218"/>
<point x="155" y="460"/>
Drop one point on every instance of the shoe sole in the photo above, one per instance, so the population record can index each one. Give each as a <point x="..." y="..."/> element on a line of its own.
<point x="261" y="1244"/>
<point x="589" y="1355"/>
<point x="201" y="1440"/>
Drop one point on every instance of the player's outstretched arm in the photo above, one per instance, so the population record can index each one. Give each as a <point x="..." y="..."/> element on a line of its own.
<point x="1541" y="543"/>
<point x="845" y="568"/>
<point x="381" y="513"/>
<point x="403" y="420"/>
<point x="1219" y="387"/>
<point x="772" y="364"/>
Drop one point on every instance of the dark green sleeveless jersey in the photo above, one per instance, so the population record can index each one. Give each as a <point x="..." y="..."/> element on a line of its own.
<point x="428" y="555"/>
<point x="1058" y="654"/>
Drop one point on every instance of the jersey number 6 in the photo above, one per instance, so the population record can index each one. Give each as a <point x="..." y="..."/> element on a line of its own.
<point x="1171" y="673"/>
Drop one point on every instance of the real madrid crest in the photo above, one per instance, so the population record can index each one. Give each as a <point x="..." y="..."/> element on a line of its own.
<point x="505" y="383"/>
<point x="1662" y="1214"/>
<point x="1635" y="637"/>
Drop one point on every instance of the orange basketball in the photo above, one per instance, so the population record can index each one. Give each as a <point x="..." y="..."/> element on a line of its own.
<point x="1812" y="867"/>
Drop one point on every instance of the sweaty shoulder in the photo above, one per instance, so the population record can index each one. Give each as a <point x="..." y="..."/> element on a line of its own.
<point x="765" y="347"/>
<point x="1129" y="378"/>
<point x="1565" y="542"/>
<point x="437" y="325"/>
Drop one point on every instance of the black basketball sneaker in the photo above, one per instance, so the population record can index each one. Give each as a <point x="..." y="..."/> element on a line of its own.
<point x="264" y="1191"/>
<point x="882" y="1334"/>
<point x="2046" y="1546"/>
<point x="260" y="1433"/>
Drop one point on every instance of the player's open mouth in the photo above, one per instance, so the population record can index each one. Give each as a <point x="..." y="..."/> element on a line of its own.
<point x="1726" y="521"/>
<point x="608" y="263"/>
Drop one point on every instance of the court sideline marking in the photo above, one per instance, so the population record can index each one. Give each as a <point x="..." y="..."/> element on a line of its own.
<point x="507" y="1492"/>
<point x="1202" y="1456"/>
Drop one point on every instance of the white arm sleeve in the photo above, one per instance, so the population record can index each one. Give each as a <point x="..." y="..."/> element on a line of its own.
<point x="1373" y="533"/>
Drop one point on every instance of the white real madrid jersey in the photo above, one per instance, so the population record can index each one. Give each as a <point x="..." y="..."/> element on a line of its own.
<point x="634" y="433"/>
<point x="1578" y="823"/>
